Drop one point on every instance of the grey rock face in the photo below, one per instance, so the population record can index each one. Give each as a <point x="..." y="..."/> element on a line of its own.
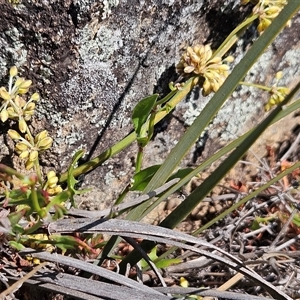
<point x="92" y="61"/>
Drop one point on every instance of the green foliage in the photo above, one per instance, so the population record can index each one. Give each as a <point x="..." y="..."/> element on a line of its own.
<point x="39" y="197"/>
<point x="162" y="263"/>
<point x="71" y="179"/>
<point x="140" y="115"/>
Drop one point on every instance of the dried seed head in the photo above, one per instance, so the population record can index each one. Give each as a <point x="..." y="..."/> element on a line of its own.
<point x="198" y="60"/>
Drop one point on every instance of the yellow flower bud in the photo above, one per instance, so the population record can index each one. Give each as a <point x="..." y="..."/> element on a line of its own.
<point x="273" y="11"/>
<point x="223" y="67"/>
<point x="22" y="125"/>
<point x="35" y="97"/>
<point x="43" y="134"/>
<point x="58" y="189"/>
<point x="216" y="60"/>
<point x="4" y="94"/>
<point x="51" y="174"/>
<point x="4" y="115"/>
<point x="45" y="143"/>
<point x="22" y="91"/>
<point x="11" y="112"/>
<point x="28" y="115"/>
<point x="25" y="84"/>
<point x="19" y="81"/>
<point x="24" y="154"/>
<point x="21" y="146"/>
<point x="190" y="50"/>
<point x="14" y="134"/>
<point x="195" y="58"/>
<point x="189" y="69"/>
<point x="29" y="164"/>
<point x="229" y="58"/>
<point x="13" y="71"/>
<point x="30" y="106"/>
<point x="36" y="261"/>
<point x="279" y="75"/>
<point x="20" y="102"/>
<point x="33" y="155"/>
<point x="183" y="282"/>
<point x="52" y="181"/>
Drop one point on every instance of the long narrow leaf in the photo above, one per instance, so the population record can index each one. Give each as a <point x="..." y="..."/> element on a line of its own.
<point x="239" y="72"/>
<point x="182" y="211"/>
<point x="157" y="234"/>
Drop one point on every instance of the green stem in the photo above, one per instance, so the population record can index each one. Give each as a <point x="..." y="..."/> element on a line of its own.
<point x="35" y="201"/>
<point x="258" y="86"/>
<point x="233" y="37"/>
<point x="167" y="98"/>
<point x="151" y="125"/>
<point x="139" y="159"/>
<point x="10" y="171"/>
<point x="97" y="161"/>
<point x="38" y="170"/>
<point x="36" y="163"/>
<point x="122" y="195"/>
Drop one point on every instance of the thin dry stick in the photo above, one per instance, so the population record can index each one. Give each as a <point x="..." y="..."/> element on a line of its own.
<point x="231" y="282"/>
<point x="282" y="231"/>
<point x="292" y="148"/>
<point x="14" y="287"/>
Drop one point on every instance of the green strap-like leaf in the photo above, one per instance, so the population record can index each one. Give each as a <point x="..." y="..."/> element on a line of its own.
<point x="141" y="112"/>
<point x="71" y="179"/>
<point x="239" y="72"/>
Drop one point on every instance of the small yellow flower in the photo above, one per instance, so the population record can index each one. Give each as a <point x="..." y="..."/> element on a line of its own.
<point x="43" y="134"/>
<point x="22" y="125"/>
<point x="278" y="93"/>
<point x="267" y="11"/>
<point x="45" y="143"/>
<point x="33" y="155"/>
<point x="35" y="97"/>
<point x="29" y="164"/>
<point x="4" y="115"/>
<point x="13" y="71"/>
<point x="4" y="94"/>
<point x="54" y="191"/>
<point x="14" y="134"/>
<point x="52" y="179"/>
<point x="51" y="184"/>
<point x="198" y="60"/>
<point x="24" y="154"/>
<point x="20" y="147"/>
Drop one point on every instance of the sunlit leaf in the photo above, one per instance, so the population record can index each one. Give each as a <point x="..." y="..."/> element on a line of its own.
<point x="142" y="111"/>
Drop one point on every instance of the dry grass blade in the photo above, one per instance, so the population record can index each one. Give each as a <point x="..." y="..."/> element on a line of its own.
<point x="88" y="288"/>
<point x="75" y="294"/>
<point x="13" y="288"/>
<point x="209" y="293"/>
<point x="93" y="269"/>
<point x="163" y="235"/>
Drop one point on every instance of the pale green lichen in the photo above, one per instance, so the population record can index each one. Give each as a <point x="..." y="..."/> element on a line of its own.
<point x="108" y="5"/>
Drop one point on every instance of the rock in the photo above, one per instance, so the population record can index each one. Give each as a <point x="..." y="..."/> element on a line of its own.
<point x="92" y="61"/>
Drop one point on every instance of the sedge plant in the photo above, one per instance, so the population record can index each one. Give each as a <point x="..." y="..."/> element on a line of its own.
<point x="32" y="197"/>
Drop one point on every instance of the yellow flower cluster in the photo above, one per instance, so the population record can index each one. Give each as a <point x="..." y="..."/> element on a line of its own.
<point x="267" y="11"/>
<point x="199" y="60"/>
<point x="278" y="93"/>
<point x="51" y="185"/>
<point x="29" y="151"/>
<point x="13" y="105"/>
